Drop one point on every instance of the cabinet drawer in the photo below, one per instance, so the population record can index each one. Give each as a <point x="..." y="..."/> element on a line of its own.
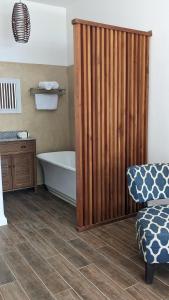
<point x="17" y="147"/>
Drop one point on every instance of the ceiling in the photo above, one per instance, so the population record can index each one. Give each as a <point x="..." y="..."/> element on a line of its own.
<point x="62" y="3"/>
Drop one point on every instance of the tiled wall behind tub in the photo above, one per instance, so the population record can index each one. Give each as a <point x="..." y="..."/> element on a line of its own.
<point x="71" y="105"/>
<point x="50" y="128"/>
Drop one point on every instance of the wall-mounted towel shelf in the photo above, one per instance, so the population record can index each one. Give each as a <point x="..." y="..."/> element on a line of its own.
<point x="36" y="91"/>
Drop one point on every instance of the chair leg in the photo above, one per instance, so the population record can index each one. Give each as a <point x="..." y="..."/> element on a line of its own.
<point x="149" y="273"/>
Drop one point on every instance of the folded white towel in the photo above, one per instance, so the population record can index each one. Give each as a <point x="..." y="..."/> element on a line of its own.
<point x="49" y="85"/>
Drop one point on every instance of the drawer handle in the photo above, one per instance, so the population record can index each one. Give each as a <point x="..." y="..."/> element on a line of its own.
<point x="23" y="147"/>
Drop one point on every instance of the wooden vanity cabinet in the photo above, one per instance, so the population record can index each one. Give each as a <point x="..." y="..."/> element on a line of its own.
<point x="6" y="163"/>
<point x="18" y="159"/>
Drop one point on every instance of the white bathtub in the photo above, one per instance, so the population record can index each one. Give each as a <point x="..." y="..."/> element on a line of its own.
<point x="60" y="174"/>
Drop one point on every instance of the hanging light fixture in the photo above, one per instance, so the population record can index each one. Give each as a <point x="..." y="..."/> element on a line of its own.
<point x="21" y="24"/>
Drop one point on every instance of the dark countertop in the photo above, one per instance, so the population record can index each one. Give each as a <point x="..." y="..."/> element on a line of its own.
<point x="16" y="140"/>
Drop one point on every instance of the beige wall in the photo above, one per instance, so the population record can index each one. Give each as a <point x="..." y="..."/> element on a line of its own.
<point x="51" y="129"/>
<point x="71" y="105"/>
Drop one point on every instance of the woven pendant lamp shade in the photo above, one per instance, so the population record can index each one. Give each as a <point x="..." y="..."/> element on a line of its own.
<point x="21" y="23"/>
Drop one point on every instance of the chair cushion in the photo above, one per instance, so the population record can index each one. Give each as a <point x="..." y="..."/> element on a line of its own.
<point x="153" y="233"/>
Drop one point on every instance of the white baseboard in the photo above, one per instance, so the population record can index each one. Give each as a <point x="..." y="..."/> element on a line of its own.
<point x="62" y="196"/>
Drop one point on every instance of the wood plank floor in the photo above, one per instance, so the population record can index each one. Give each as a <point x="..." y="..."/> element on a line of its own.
<point x="43" y="257"/>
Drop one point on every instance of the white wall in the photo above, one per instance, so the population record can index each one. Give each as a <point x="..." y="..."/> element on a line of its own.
<point x="48" y="41"/>
<point x="146" y="15"/>
<point x="3" y="220"/>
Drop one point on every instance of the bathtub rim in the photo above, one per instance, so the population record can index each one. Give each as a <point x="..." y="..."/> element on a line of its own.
<point x="64" y="166"/>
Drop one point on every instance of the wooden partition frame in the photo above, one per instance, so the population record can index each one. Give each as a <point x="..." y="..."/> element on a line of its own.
<point x="111" y="108"/>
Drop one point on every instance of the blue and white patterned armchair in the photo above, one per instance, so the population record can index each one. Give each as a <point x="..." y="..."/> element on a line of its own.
<point x="150" y="183"/>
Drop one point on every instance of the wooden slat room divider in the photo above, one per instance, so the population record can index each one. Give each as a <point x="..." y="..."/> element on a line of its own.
<point x="111" y="97"/>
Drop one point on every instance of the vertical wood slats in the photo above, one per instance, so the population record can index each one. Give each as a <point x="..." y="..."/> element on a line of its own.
<point x="103" y="116"/>
<point x="94" y="127"/>
<point x="112" y="39"/>
<point x="79" y="126"/>
<point x="137" y="53"/>
<point x="98" y="124"/>
<point x="111" y="93"/>
<point x="90" y="197"/>
<point x="115" y="126"/>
